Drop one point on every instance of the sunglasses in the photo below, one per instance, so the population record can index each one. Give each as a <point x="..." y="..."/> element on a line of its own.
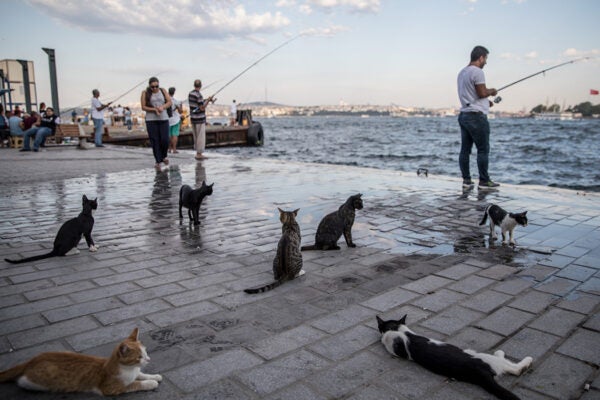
<point x="153" y="86"/>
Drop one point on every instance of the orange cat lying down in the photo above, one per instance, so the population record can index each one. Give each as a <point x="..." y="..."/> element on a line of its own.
<point x="72" y="372"/>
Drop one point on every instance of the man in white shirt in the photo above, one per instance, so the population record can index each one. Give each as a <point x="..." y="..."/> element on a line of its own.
<point x="98" y="117"/>
<point x="474" y="125"/>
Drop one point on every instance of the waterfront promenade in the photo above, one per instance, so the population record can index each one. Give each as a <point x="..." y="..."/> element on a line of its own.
<point x="419" y="252"/>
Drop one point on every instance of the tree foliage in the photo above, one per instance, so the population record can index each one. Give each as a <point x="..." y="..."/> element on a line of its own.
<point x="587" y="109"/>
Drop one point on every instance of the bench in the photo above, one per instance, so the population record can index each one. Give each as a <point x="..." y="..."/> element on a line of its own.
<point x="71" y="131"/>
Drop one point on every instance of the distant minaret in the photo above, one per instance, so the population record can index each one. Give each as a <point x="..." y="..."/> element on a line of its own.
<point x="266" y="97"/>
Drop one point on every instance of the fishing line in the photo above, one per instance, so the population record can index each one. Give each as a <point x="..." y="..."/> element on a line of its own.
<point x="253" y="64"/>
<point x="498" y="99"/>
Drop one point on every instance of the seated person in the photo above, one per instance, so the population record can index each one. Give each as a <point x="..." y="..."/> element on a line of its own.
<point x="14" y="123"/>
<point x="47" y="127"/>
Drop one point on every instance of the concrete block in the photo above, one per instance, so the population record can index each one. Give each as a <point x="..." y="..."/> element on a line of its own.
<point x="486" y="301"/>
<point x="451" y="320"/>
<point x="274" y="375"/>
<point x="557" y="321"/>
<point x="344" y="344"/>
<point x="439" y="300"/>
<point x="192" y="377"/>
<point x="471" y="284"/>
<point x="343" y="319"/>
<point x="285" y="342"/>
<point x="505" y="321"/>
<point x="582" y="345"/>
<point x="558" y="377"/>
<point x="529" y="342"/>
<point x="389" y="300"/>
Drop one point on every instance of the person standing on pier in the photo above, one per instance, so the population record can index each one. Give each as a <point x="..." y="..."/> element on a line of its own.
<point x="198" y="118"/>
<point x="155" y="101"/>
<point x="174" y="121"/>
<point x="474" y="126"/>
<point x="98" y="117"/>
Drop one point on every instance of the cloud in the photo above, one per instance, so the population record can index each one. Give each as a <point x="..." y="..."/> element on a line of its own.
<point x="324" y="32"/>
<point x="531" y="55"/>
<point x="356" y="6"/>
<point x="572" y="52"/>
<point x="173" y="18"/>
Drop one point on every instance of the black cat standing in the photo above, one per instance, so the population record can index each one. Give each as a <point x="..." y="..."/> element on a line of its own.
<point x="70" y="233"/>
<point x="192" y="199"/>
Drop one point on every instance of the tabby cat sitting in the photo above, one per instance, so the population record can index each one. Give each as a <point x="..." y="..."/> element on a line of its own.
<point x="287" y="264"/>
<point x="72" y="372"/>
<point x="333" y="225"/>
<point x="70" y="233"/>
<point x="449" y="360"/>
<point x="192" y="199"/>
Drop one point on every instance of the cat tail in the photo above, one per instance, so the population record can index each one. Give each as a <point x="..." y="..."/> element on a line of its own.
<point x="34" y="258"/>
<point x="485" y="215"/>
<point x="313" y="247"/>
<point x="12" y="373"/>
<point x="500" y="392"/>
<point x="264" y="288"/>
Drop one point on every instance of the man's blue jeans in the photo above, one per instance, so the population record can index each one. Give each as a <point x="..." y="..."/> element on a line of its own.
<point x="27" y="135"/>
<point x="98" y="122"/>
<point x="474" y="129"/>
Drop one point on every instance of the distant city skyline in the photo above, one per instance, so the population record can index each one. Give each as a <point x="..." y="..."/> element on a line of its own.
<point x="380" y="52"/>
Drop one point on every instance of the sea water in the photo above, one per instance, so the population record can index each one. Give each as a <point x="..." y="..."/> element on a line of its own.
<point x="523" y="150"/>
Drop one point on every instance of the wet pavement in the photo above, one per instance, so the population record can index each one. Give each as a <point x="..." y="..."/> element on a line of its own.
<point x="419" y="251"/>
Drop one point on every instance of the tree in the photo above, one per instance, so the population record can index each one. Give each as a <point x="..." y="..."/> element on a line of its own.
<point x="540" y="108"/>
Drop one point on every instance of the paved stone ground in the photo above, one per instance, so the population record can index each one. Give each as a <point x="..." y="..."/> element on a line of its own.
<point x="420" y="251"/>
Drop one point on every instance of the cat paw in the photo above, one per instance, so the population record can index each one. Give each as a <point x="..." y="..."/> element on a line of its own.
<point x="351" y="245"/>
<point x="149" y="385"/>
<point x="513" y="243"/>
<point x="302" y="272"/>
<point x="94" y="248"/>
<point x="157" y="377"/>
<point x="499" y="353"/>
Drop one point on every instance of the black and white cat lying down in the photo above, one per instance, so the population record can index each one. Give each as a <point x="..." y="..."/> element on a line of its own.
<point x="449" y="360"/>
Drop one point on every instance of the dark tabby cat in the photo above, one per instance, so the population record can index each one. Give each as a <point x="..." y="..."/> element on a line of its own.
<point x="287" y="264"/>
<point x="333" y="225"/>
<point x="449" y="360"/>
<point x="192" y="199"/>
<point x="505" y="220"/>
<point x="70" y="233"/>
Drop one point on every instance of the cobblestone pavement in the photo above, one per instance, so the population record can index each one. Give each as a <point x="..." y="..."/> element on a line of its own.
<point x="420" y="251"/>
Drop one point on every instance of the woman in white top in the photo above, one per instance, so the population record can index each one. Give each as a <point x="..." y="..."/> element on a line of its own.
<point x="155" y="101"/>
<point x="174" y="121"/>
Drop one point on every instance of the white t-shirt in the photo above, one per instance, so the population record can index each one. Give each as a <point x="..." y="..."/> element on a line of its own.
<point x="95" y="105"/>
<point x="468" y="77"/>
<point x="174" y="120"/>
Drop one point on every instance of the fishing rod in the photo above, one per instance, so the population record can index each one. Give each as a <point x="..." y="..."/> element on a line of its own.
<point x="212" y="99"/>
<point x="498" y="99"/>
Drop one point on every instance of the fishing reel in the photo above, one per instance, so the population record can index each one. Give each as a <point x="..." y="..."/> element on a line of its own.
<point x="497" y="99"/>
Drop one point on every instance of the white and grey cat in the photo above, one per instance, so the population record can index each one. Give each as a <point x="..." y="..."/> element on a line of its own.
<point x="70" y="233"/>
<point x="505" y="220"/>
<point x="287" y="264"/>
<point x="448" y="360"/>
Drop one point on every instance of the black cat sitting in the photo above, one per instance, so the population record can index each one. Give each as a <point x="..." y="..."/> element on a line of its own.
<point x="192" y="199"/>
<point x="70" y="233"/>
<point x="333" y="225"/>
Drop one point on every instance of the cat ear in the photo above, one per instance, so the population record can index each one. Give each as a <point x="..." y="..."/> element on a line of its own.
<point x="280" y="210"/>
<point x="360" y="195"/>
<point x="525" y="213"/>
<point x="123" y="350"/>
<point x="134" y="335"/>
<point x="296" y="211"/>
<point x="211" y="185"/>
<point x="403" y="320"/>
<point x="84" y="198"/>
<point x="379" y="321"/>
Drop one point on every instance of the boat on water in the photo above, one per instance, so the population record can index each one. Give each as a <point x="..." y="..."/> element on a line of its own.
<point x="557" y="116"/>
<point x="245" y="133"/>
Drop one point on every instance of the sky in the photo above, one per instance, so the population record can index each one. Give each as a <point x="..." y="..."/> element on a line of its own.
<point x="378" y="52"/>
